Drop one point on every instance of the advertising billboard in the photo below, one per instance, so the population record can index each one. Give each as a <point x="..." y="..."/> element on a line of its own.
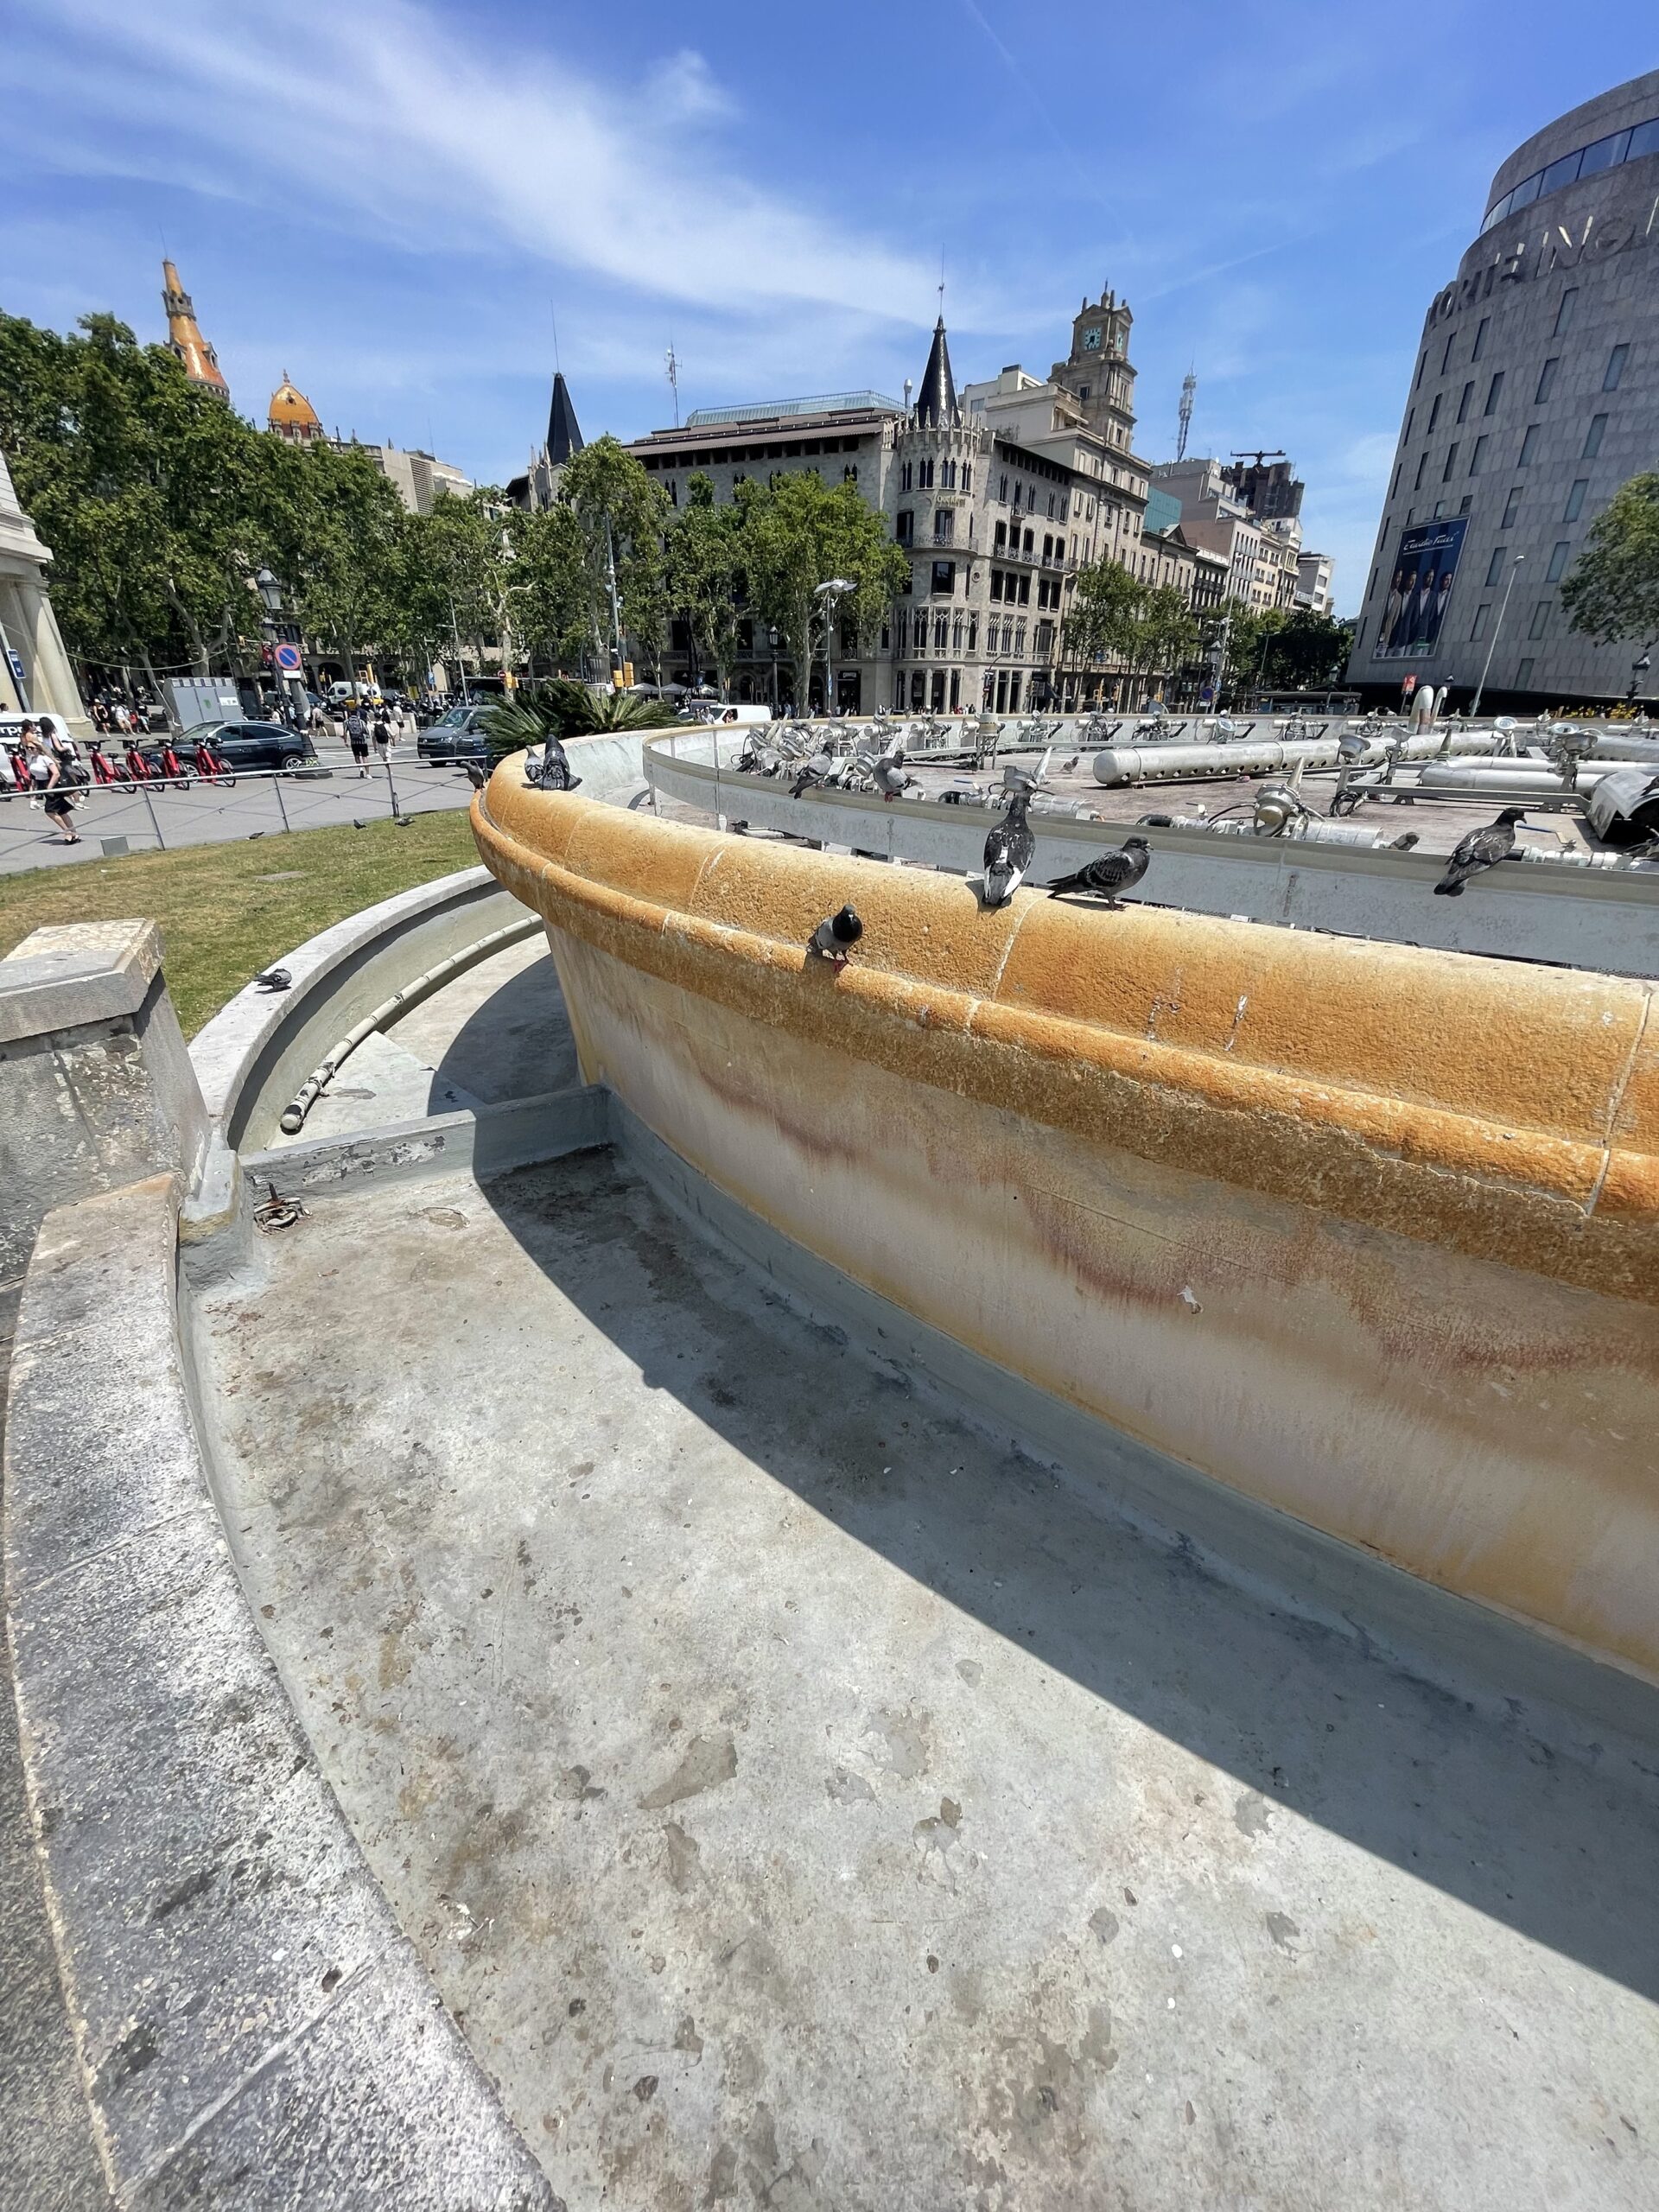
<point x="1420" y="589"/>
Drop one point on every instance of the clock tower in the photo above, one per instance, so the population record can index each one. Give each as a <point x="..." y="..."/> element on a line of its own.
<point x="1097" y="371"/>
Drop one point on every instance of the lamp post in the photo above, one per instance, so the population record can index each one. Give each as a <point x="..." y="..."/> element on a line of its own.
<point x="1638" y="670"/>
<point x="773" y="637"/>
<point x="271" y="596"/>
<point x="830" y="593"/>
<point x="1474" y="710"/>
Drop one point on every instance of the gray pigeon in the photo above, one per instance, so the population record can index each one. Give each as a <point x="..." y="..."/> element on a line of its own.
<point x="553" y="771"/>
<point x="835" y="936"/>
<point x="890" y="779"/>
<point x="1008" y="851"/>
<point x="273" y="979"/>
<point x="1479" y="850"/>
<point x="1110" y="874"/>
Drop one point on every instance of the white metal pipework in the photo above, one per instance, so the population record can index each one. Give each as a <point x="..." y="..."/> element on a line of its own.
<point x="422" y="985"/>
<point x="1147" y="764"/>
<point x="1315" y="830"/>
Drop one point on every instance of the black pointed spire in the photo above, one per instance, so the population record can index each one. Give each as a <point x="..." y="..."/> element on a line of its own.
<point x="563" y="436"/>
<point x="936" y="401"/>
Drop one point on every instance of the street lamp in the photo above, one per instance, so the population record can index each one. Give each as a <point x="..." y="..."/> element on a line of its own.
<point x="833" y="590"/>
<point x="1638" y="670"/>
<point x="271" y="594"/>
<point x="772" y="637"/>
<point x="1474" y="710"/>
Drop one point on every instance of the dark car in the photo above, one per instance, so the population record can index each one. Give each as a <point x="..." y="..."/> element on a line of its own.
<point x="256" y="745"/>
<point x="456" y="736"/>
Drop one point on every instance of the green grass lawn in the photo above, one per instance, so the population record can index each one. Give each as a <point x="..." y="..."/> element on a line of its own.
<point x="228" y="911"/>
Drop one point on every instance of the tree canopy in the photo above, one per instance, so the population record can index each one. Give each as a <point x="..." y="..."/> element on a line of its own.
<point x="1612" y="593"/>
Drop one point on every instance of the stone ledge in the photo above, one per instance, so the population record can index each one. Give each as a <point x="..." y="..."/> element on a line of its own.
<point x="253" y="2026"/>
<point x="66" y="976"/>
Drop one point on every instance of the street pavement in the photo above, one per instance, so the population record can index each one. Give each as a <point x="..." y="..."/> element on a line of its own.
<point x="207" y="814"/>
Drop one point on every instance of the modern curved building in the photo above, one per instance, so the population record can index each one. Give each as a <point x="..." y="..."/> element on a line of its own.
<point x="1534" y="396"/>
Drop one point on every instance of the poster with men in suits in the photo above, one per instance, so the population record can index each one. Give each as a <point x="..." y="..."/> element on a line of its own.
<point x="1420" y="589"/>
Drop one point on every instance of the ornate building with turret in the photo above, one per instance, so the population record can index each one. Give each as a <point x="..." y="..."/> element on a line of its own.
<point x="184" y="338"/>
<point x="538" y="487"/>
<point x="292" y="416"/>
<point x="998" y="493"/>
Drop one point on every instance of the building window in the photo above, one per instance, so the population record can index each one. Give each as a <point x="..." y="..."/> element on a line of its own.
<point x="1370" y="589"/>
<point x="966" y="476"/>
<point x="925" y="474"/>
<point x="1511" y="508"/>
<point x="1523" y="674"/>
<point x="1593" y="437"/>
<point x="1479" y="347"/>
<point x="1494" y="392"/>
<point x="1479" y="629"/>
<point x="1434" y="411"/>
<point x="1575" y="499"/>
<point x="1478" y="455"/>
<point x="1395" y="486"/>
<point x="904" y="527"/>
<point x="903" y="629"/>
<point x="904" y="478"/>
<point x="1024" y="588"/>
<point x="1446" y="357"/>
<point x="1547" y="379"/>
<point x="944" y="525"/>
<point x="997" y="583"/>
<point x="1564" y="313"/>
<point x="1616" y="361"/>
<point x="1451" y="462"/>
<point x="1411" y="416"/>
<point x="1359" y="638"/>
<point x="956" y="635"/>
<point x="1417" y="480"/>
<point x="1465" y="503"/>
<point x="1558" y="560"/>
<point x="1528" y="446"/>
<point x="948" y="474"/>
<point x="1467" y="400"/>
<point x="1003" y="490"/>
<point x="1439" y="508"/>
<point x="941" y="632"/>
<point x="973" y="633"/>
<point x="1540" y="619"/>
<point x="944" y="579"/>
<point x="1495" y="566"/>
<point x="1020" y="641"/>
<point x="1422" y="363"/>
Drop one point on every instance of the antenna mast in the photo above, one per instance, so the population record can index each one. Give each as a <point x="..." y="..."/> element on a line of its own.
<point x="1189" y="389"/>
<point x="673" y="371"/>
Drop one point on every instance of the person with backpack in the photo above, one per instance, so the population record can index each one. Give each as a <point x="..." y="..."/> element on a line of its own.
<point x="357" y="736"/>
<point x="47" y="776"/>
<point x="382" y="730"/>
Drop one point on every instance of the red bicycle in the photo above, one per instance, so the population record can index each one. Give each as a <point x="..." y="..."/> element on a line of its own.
<point x="171" y="768"/>
<point x="139" y="770"/>
<point x="105" y="771"/>
<point x="212" y="767"/>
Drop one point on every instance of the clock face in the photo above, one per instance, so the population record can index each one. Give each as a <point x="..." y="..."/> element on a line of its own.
<point x="1092" y="341"/>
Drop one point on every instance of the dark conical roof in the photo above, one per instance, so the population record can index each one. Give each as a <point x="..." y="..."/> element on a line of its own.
<point x="935" y="402"/>
<point x="563" y="436"/>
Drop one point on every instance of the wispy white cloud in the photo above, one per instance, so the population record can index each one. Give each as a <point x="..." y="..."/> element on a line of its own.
<point x="394" y="126"/>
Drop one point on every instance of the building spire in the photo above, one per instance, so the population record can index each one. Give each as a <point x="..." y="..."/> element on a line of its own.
<point x="185" y="340"/>
<point x="563" y="436"/>
<point x="936" y="401"/>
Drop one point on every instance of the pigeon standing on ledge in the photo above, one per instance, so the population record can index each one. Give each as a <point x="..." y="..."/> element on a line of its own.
<point x="835" y="936"/>
<point x="890" y="779"/>
<point x="1479" y="850"/>
<point x="1008" y="851"/>
<point x="1110" y="874"/>
<point x="273" y="979"/>
<point x="553" y="770"/>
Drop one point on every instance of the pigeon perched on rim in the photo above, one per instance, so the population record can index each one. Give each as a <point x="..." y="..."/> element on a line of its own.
<point x="1479" y="850"/>
<point x="1008" y="851"/>
<point x="890" y="779"/>
<point x="1109" y="874"/>
<point x="552" y="772"/>
<point x="273" y="979"/>
<point x="836" y="935"/>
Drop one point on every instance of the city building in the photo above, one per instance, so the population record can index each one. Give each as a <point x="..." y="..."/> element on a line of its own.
<point x="1261" y="552"/>
<point x="538" y="487"/>
<point x="416" y="477"/>
<point x="35" y="673"/>
<point x="184" y="337"/>
<point x="1532" y="399"/>
<point x="999" y="493"/>
<point x="1268" y="484"/>
<point x="1313" y="586"/>
<point x="292" y="416"/>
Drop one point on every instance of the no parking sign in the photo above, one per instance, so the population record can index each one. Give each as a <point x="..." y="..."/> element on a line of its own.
<point x="288" y="660"/>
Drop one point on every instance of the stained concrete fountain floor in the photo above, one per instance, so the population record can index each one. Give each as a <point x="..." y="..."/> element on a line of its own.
<point x="802" y="1800"/>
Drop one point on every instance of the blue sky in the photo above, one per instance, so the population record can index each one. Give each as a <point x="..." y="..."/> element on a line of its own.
<point x="392" y="199"/>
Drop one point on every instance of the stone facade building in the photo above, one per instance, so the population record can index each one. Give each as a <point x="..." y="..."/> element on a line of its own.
<point x="1532" y="399"/>
<point x="37" y="675"/>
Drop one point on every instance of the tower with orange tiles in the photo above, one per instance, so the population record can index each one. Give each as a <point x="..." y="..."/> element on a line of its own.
<point x="184" y="338"/>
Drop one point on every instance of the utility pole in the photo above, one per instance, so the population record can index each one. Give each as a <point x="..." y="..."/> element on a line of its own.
<point x="674" y="379"/>
<point x="1189" y="390"/>
<point x="1497" y="626"/>
<point x="616" y="611"/>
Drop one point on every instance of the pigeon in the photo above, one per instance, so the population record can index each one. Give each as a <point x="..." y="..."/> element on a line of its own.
<point x="475" y="776"/>
<point x="273" y="979"/>
<point x="835" y="937"/>
<point x="1404" y="844"/>
<point x="814" y="771"/>
<point x="1110" y="873"/>
<point x="1008" y="851"/>
<point x="890" y="780"/>
<point x="1070" y="764"/>
<point x="1480" y="849"/>
<point x="553" y="773"/>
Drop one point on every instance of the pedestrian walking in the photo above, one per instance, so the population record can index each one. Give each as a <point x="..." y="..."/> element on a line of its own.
<point x="382" y="731"/>
<point x="357" y="736"/>
<point x="51" y="787"/>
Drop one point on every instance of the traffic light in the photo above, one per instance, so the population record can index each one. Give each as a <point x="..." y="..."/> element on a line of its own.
<point x="628" y="676"/>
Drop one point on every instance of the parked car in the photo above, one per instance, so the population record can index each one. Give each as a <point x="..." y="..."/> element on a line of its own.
<point x="457" y="734"/>
<point x="257" y="745"/>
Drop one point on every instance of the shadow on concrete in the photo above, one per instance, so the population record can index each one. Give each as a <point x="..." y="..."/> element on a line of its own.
<point x="515" y="1045"/>
<point x="1560" y="1848"/>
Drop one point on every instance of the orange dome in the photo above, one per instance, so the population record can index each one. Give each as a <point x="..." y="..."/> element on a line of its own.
<point x="292" y="413"/>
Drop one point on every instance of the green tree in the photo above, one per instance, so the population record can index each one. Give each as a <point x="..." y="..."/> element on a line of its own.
<point x="703" y="577"/>
<point x="547" y="584"/>
<point x="799" y="533"/>
<point x="332" y="526"/>
<point x="622" y="515"/>
<point x="1102" y="622"/>
<point x="1307" y="650"/>
<point x="1612" y="593"/>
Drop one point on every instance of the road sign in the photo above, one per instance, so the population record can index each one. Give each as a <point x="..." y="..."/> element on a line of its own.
<point x="289" y="661"/>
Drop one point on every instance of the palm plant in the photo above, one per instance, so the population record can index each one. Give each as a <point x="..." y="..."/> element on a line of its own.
<point x="563" y="707"/>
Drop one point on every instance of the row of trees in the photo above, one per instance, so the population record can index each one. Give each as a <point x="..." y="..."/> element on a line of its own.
<point x="161" y="506"/>
<point x="1149" y="630"/>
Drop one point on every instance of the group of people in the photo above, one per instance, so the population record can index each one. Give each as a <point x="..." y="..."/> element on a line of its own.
<point x="112" y="716"/>
<point x="40" y="757"/>
<point x="380" y="723"/>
